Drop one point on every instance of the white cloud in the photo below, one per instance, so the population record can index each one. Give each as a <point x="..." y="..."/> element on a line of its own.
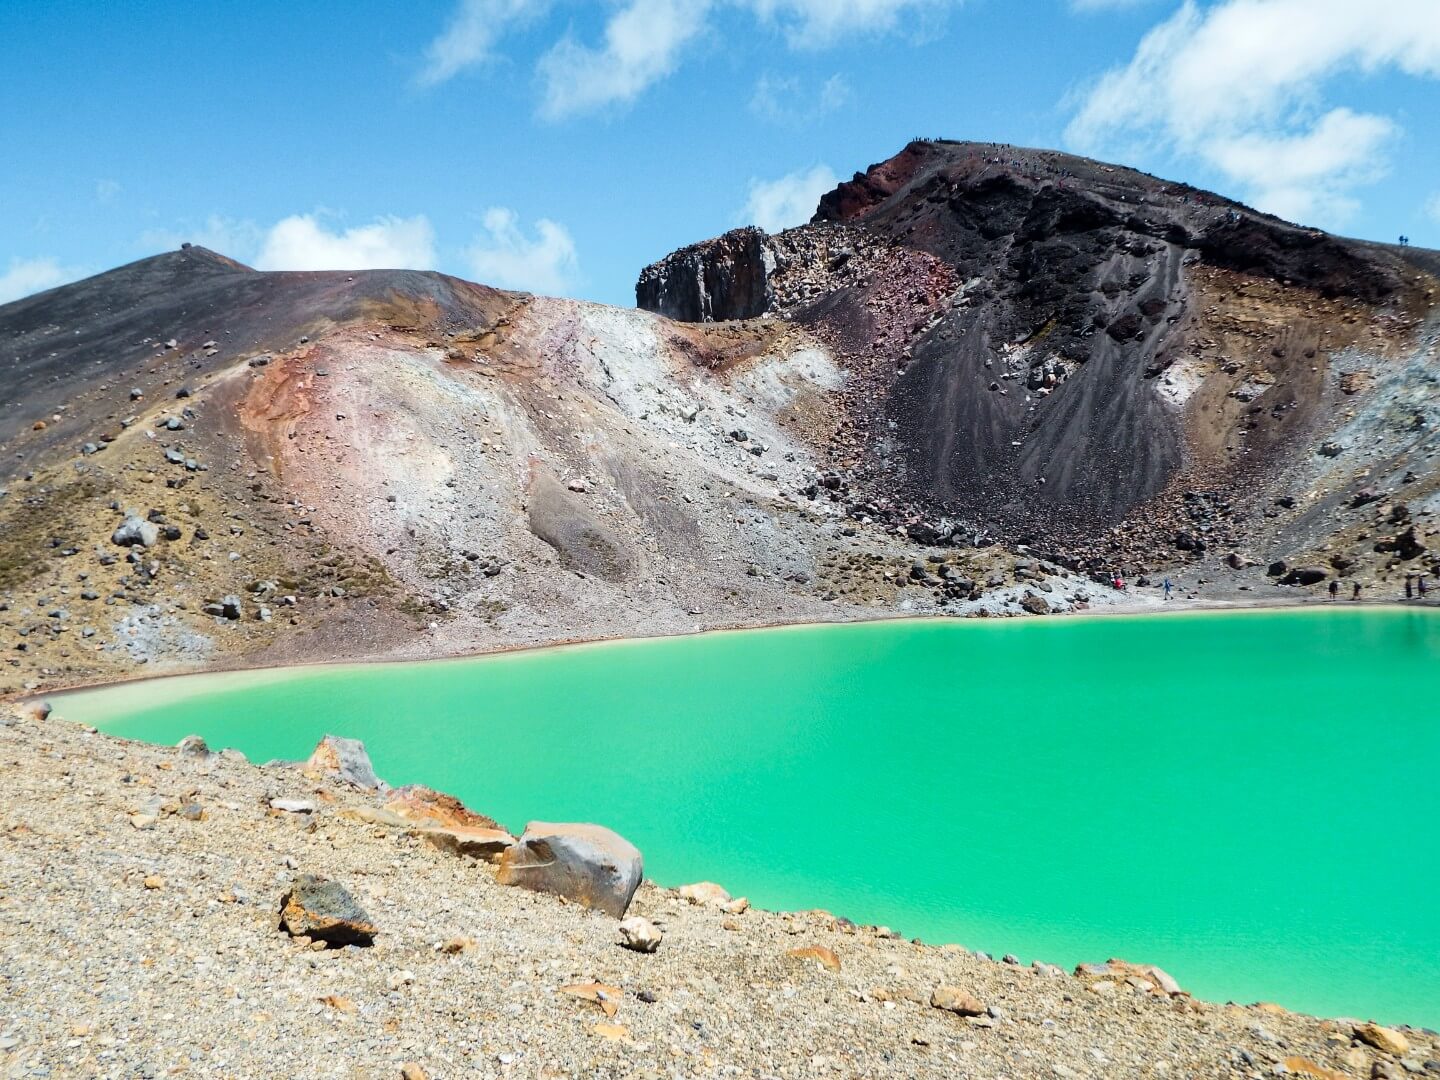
<point x="301" y="242"/>
<point x="26" y="276"/>
<point x="789" y="201"/>
<point x="816" y="24"/>
<point x="642" y="45"/>
<point x="1239" y="85"/>
<point x="106" y="190"/>
<point x="787" y="100"/>
<point x="504" y="257"/>
<point x="472" y="33"/>
<point x="644" y="40"/>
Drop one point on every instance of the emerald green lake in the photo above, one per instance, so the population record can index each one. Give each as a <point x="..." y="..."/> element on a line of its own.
<point x="1251" y="801"/>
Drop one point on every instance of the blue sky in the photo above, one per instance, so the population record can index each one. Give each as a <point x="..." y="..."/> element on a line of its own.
<point x="560" y="145"/>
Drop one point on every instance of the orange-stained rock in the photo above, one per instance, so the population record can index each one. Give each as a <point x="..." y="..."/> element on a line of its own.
<point x="420" y="805"/>
<point x="826" y="958"/>
<point x="1383" y="1038"/>
<point x="324" y="910"/>
<point x="477" y="842"/>
<point x="588" y="864"/>
<point x="336" y="758"/>
<point x="1305" y="1067"/>
<point x="953" y="999"/>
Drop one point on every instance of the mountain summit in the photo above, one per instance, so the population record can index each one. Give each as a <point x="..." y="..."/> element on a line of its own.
<point x="1061" y="352"/>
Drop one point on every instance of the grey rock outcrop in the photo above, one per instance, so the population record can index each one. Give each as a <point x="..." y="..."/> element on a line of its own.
<point x="721" y="279"/>
<point x="344" y="759"/>
<point x="588" y="864"/>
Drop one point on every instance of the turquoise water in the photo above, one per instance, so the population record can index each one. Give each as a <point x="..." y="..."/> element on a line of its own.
<point x="1250" y="801"/>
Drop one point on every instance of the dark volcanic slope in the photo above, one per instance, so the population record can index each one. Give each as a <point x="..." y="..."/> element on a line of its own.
<point x="73" y="351"/>
<point x="1037" y="333"/>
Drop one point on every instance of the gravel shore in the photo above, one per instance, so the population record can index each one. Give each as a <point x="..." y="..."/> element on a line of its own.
<point x="139" y="890"/>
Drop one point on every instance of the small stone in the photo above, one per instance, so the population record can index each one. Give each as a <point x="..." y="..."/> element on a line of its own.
<point x="705" y="893"/>
<point x="640" y="935"/>
<point x="412" y="1071"/>
<point x="953" y="999"/>
<point x="193" y="746"/>
<point x="293" y="806"/>
<point x="607" y="997"/>
<point x="154" y="881"/>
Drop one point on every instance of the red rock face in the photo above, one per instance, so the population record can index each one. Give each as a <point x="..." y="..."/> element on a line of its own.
<point x="856" y="198"/>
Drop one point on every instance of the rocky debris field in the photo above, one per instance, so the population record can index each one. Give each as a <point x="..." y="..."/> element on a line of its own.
<point x="181" y="912"/>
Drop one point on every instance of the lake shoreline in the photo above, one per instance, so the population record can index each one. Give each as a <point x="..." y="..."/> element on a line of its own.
<point x="1153" y="607"/>
<point x="84" y="870"/>
<point x="419" y="697"/>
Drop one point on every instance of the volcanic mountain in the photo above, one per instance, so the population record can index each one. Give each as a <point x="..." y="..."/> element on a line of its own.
<point x="1060" y="352"/>
<point x="980" y="380"/>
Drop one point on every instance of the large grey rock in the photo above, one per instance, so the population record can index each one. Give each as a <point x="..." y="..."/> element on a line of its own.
<point x="324" y="910"/>
<point x="344" y="759"/>
<point x="588" y="864"/>
<point x="135" y="530"/>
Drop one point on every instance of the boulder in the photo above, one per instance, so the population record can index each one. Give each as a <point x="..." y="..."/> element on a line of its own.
<point x="1035" y="604"/>
<point x="135" y="530"/>
<point x="588" y="864"/>
<point x="475" y="841"/>
<point x="1305" y="575"/>
<point x="953" y="999"/>
<point x="343" y="759"/>
<point x="1406" y="545"/>
<point x="324" y="910"/>
<point x="428" y="808"/>
<point x="640" y="935"/>
<point x="1383" y="1038"/>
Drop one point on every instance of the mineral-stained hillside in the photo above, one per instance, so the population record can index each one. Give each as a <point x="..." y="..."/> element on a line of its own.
<point x="979" y="382"/>
<point x="201" y="464"/>
<point x="1086" y="358"/>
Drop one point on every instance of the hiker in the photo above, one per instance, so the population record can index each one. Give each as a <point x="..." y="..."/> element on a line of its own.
<point x="1423" y="588"/>
<point x="1334" y="590"/>
<point x="1409" y="586"/>
<point x="1355" y="593"/>
<point x="1167" y="587"/>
